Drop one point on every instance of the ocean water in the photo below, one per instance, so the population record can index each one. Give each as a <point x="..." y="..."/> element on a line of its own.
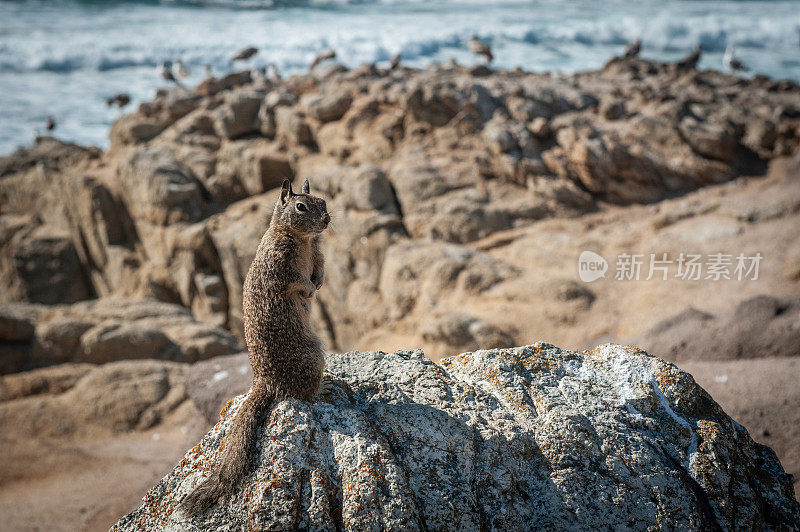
<point x="63" y="58"/>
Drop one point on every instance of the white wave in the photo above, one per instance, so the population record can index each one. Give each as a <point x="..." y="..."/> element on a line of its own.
<point x="141" y="48"/>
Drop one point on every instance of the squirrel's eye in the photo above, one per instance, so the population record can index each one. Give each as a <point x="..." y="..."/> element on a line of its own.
<point x="302" y="207"/>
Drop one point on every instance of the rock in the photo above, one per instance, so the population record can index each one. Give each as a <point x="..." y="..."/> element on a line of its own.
<point x="238" y="115"/>
<point x="425" y="156"/>
<point x="102" y="228"/>
<point x="256" y="166"/>
<point x="415" y="275"/>
<point x="709" y="139"/>
<point x="369" y="189"/>
<point x="464" y="332"/>
<point x="540" y="127"/>
<point x="497" y="134"/>
<point x="291" y="126"/>
<point x="213" y="86"/>
<point x="480" y="71"/>
<point x="48" y="152"/>
<point x="179" y="102"/>
<point x="499" y="439"/>
<point x="562" y="191"/>
<point x="430" y="104"/>
<point x="266" y="120"/>
<point x="279" y="97"/>
<point x="326" y="107"/>
<point x="81" y="399"/>
<point x="134" y="129"/>
<point x="60" y="338"/>
<point x="761" y="394"/>
<point x="611" y="109"/>
<point x="761" y="326"/>
<point x="597" y="156"/>
<point x="55" y="380"/>
<point x="107" y="343"/>
<point x="761" y="136"/>
<point x="158" y="188"/>
<point x="14" y="327"/>
<point x="48" y="268"/>
<point x="211" y="383"/>
<point x="105" y="331"/>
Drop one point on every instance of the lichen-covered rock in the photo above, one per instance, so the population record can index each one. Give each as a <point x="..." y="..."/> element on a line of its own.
<point x="526" y="438"/>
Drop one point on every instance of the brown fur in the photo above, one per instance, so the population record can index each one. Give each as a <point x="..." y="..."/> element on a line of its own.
<point x="287" y="357"/>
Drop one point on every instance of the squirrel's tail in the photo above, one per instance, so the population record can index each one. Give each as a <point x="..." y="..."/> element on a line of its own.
<point x="237" y="452"/>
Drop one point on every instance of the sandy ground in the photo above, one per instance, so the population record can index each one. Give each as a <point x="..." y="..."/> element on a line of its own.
<point x="55" y="485"/>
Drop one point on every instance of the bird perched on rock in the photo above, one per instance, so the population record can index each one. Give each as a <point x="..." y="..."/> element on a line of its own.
<point x="323" y="56"/>
<point x="633" y="49"/>
<point x="731" y="62"/>
<point x="50" y="124"/>
<point x="179" y="70"/>
<point x="258" y="75"/>
<point x="120" y="100"/>
<point x="394" y="62"/>
<point x="691" y="60"/>
<point x="478" y="47"/>
<point x="166" y="73"/>
<point x="244" y="54"/>
<point x="273" y="76"/>
<point x="209" y="73"/>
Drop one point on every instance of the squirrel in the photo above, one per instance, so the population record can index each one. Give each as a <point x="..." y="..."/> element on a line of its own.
<point x="288" y="358"/>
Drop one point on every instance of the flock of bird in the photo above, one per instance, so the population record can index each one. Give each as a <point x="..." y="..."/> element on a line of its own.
<point x="729" y="59"/>
<point x="174" y="71"/>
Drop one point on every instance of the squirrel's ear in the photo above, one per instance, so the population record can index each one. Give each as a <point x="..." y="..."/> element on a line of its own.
<point x="286" y="190"/>
<point x="306" y="187"/>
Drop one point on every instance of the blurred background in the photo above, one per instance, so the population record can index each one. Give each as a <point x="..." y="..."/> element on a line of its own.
<point x="65" y="57"/>
<point x="498" y="173"/>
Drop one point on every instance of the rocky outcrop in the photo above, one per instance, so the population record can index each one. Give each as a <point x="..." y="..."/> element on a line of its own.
<point x="105" y="331"/>
<point x="532" y="437"/>
<point x="82" y="399"/>
<point x="459" y="163"/>
<point x="49" y="153"/>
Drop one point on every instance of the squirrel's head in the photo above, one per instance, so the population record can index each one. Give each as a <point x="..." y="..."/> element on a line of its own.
<point x="301" y="212"/>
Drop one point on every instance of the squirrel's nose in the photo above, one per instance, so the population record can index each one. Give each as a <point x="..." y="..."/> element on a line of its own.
<point x="326" y="218"/>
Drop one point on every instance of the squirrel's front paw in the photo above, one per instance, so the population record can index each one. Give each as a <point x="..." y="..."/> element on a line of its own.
<point x="316" y="278"/>
<point x="307" y="289"/>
